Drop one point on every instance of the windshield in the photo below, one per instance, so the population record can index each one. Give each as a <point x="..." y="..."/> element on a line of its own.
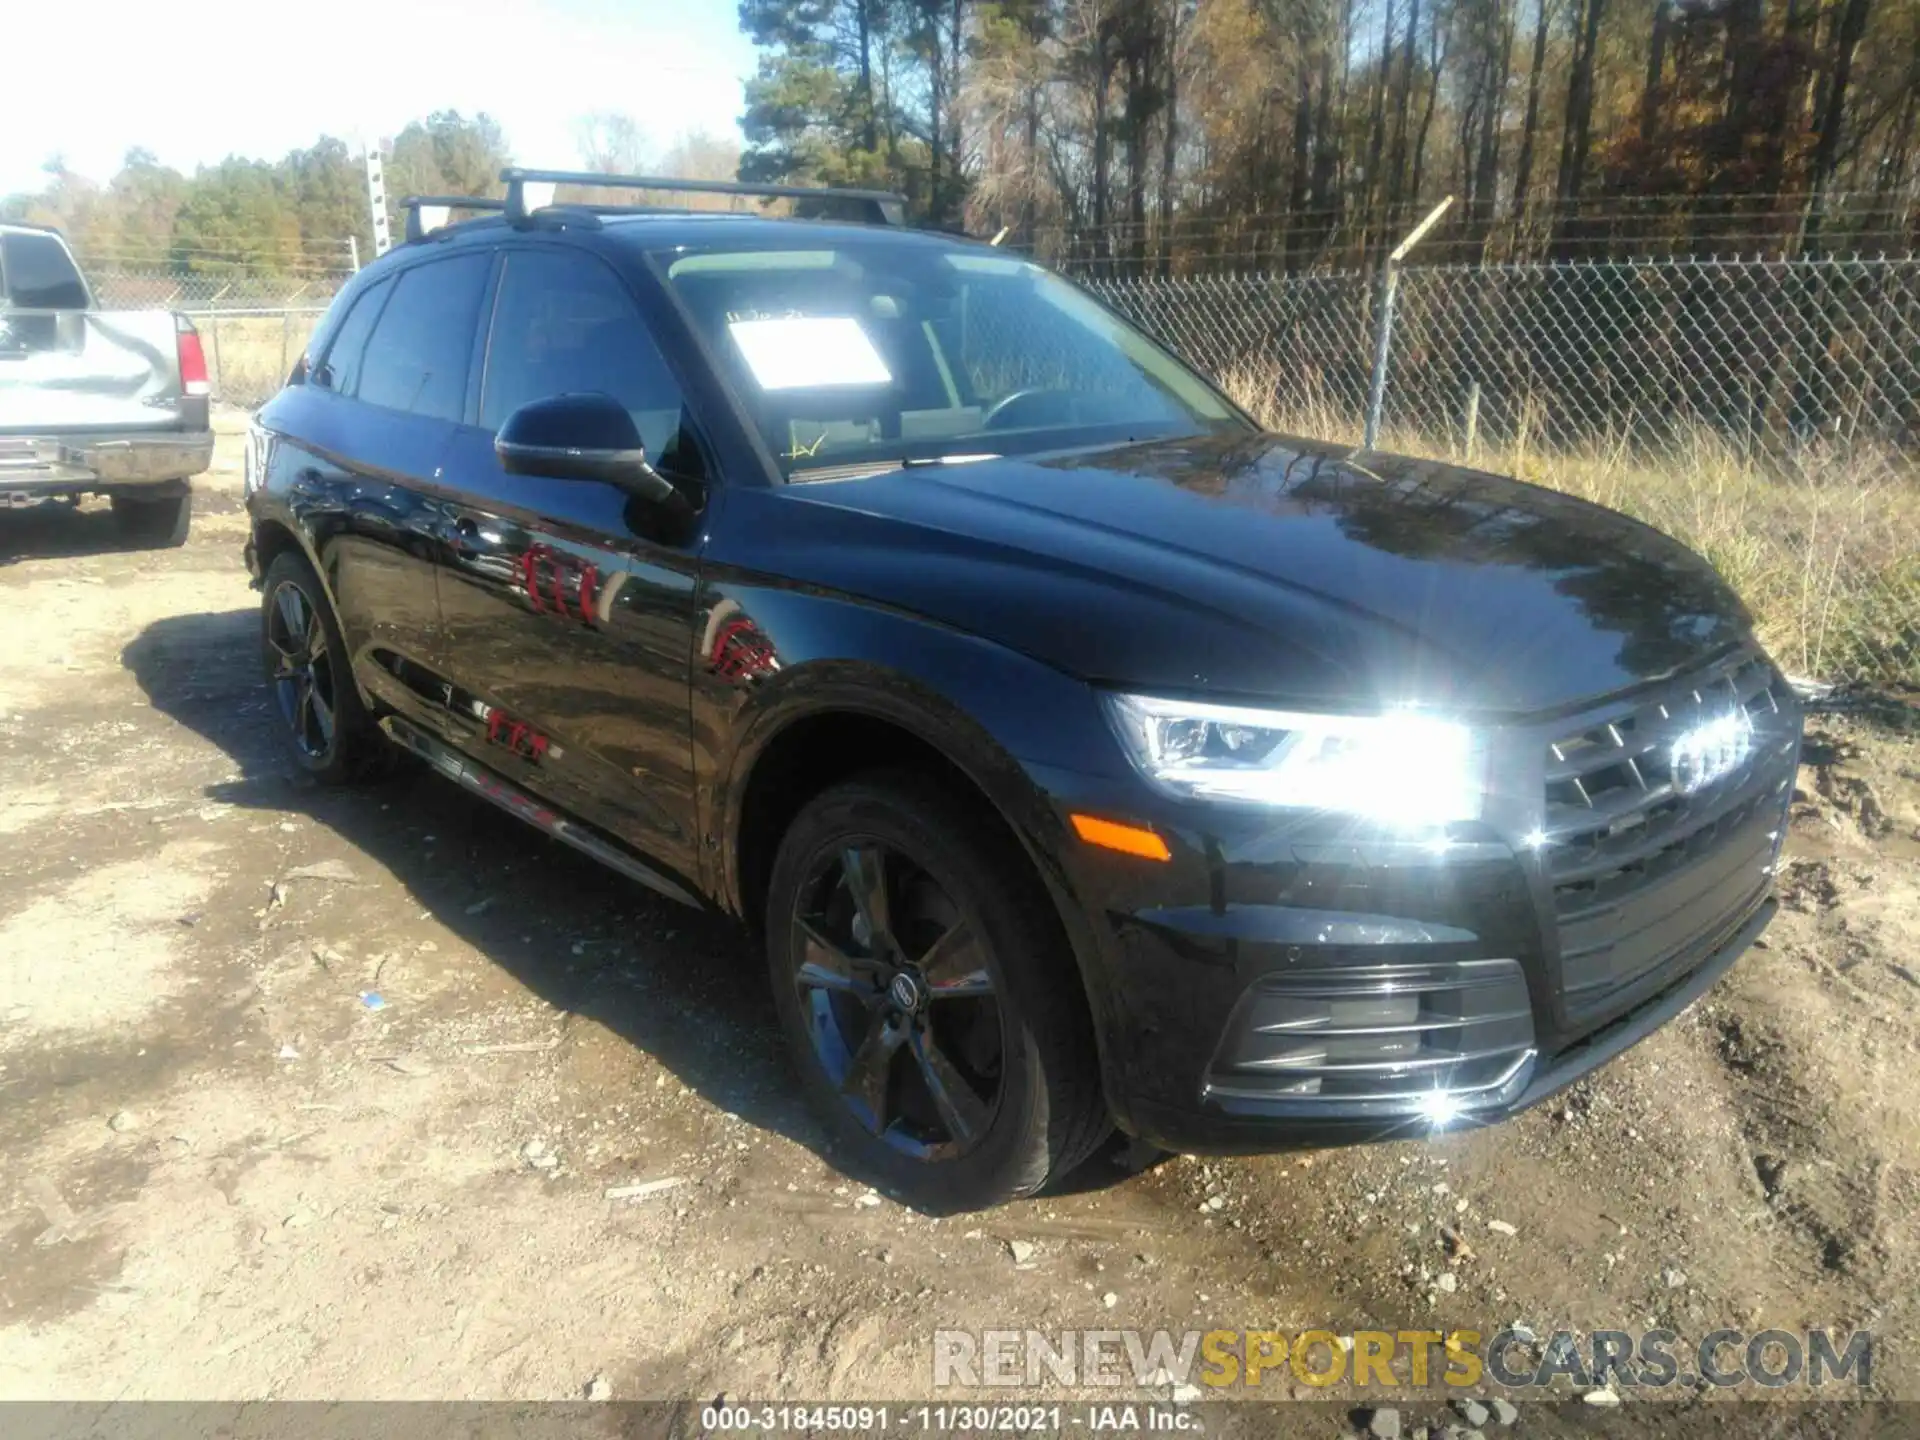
<point x="879" y="352"/>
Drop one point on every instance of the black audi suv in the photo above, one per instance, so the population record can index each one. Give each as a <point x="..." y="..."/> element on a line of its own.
<point x="1080" y="755"/>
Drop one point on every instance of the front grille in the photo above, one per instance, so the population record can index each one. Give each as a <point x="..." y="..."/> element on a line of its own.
<point x="1383" y="1037"/>
<point x="1643" y="874"/>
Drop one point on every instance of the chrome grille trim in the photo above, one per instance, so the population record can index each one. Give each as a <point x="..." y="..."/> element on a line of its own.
<point x="1640" y="874"/>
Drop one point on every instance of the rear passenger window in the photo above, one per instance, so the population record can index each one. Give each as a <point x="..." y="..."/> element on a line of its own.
<point x="417" y="357"/>
<point x="341" y="369"/>
<point x="39" y="273"/>
<point x="562" y="325"/>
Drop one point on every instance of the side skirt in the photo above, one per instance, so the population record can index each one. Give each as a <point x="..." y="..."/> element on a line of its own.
<point x="517" y="802"/>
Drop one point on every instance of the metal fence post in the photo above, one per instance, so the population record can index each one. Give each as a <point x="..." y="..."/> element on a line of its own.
<point x="1382" y="347"/>
<point x="1383" y="319"/>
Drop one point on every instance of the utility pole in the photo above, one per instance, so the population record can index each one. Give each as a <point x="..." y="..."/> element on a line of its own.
<point x="377" y="198"/>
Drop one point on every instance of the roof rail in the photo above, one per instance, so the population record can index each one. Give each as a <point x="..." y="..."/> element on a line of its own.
<point x="878" y="207"/>
<point x="428" y="213"/>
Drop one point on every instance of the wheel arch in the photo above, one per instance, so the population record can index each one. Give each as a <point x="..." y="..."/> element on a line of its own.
<point x="859" y="721"/>
<point x="274" y="536"/>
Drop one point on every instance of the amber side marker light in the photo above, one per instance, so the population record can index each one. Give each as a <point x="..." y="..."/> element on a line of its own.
<point x="1127" y="839"/>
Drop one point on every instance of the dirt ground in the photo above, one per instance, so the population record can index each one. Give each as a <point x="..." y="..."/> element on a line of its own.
<point x="309" y="1094"/>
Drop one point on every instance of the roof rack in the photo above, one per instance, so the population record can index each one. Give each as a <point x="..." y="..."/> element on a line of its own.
<point x="428" y="213"/>
<point x="876" y="207"/>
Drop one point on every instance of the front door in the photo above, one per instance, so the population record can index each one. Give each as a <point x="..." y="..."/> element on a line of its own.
<point x="567" y="605"/>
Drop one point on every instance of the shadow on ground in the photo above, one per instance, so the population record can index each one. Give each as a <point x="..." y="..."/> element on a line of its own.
<point x="60" y="529"/>
<point x="685" y="987"/>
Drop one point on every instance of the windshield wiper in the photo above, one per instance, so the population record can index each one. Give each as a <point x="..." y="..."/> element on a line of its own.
<point x="853" y="469"/>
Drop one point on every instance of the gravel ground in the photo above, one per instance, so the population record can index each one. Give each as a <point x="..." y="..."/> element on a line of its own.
<point x="308" y="1094"/>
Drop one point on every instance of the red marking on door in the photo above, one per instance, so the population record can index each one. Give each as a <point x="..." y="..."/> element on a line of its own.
<point x="516" y="735"/>
<point x="543" y="565"/>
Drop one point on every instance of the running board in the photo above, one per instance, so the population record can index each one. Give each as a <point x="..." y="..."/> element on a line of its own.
<point x="517" y="802"/>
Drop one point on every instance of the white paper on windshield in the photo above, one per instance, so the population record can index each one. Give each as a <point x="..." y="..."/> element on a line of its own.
<point x="804" y="351"/>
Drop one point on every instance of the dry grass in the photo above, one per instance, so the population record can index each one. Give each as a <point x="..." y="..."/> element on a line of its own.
<point x="1824" y="548"/>
<point x="248" y="356"/>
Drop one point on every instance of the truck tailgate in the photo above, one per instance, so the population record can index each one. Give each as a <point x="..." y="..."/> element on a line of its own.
<point x="67" y="371"/>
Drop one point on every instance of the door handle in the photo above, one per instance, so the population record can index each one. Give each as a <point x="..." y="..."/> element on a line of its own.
<point x="463" y="536"/>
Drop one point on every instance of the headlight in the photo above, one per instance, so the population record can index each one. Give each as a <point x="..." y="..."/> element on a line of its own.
<point x="1407" y="770"/>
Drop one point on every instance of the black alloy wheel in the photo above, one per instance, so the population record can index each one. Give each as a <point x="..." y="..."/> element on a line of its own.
<point x="326" y="728"/>
<point x="303" y="681"/>
<point x="901" y="1005"/>
<point x="930" y="1000"/>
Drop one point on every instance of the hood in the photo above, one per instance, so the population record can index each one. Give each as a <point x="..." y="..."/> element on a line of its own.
<point x="1265" y="567"/>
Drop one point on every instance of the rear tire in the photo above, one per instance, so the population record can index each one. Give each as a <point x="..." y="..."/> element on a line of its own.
<point x="155" y="523"/>
<point x="938" y="1023"/>
<point x="326" y="730"/>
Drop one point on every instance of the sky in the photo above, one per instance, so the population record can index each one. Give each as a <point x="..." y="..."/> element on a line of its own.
<point x="258" y="78"/>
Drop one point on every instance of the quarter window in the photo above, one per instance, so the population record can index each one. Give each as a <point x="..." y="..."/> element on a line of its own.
<point x="340" y="371"/>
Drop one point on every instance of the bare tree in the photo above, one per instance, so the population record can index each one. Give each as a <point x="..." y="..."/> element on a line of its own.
<point x="1576" y="133"/>
<point x="1826" y="150"/>
<point x="1530" y="128"/>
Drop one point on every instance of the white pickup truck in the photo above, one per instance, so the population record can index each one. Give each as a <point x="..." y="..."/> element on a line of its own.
<point x="96" y="402"/>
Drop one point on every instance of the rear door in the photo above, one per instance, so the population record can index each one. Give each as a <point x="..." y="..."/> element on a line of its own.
<point x="568" y="604"/>
<point x="367" y="438"/>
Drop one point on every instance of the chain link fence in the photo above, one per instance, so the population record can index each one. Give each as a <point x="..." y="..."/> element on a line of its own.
<point x="250" y="352"/>
<point x="117" y="288"/>
<point x="252" y="326"/>
<point x="1765" y="412"/>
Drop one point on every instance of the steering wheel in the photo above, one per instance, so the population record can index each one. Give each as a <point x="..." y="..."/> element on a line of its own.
<point x="1051" y="403"/>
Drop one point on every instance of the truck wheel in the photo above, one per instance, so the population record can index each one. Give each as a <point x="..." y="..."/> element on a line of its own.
<point x="927" y="994"/>
<point x="160" y="523"/>
<point x="326" y="729"/>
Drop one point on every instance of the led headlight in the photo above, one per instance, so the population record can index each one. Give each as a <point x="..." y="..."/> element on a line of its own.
<point x="1402" y="769"/>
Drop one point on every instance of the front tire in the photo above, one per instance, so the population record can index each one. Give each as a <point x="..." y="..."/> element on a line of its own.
<point x="154" y="523"/>
<point x="928" y="996"/>
<point x="325" y="728"/>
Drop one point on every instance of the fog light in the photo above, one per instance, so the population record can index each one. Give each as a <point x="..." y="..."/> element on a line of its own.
<point x="1432" y="1041"/>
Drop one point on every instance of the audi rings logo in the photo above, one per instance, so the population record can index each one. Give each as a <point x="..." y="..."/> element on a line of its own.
<point x="1711" y="751"/>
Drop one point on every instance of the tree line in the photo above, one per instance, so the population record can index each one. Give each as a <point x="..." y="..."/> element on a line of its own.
<point x="307" y="213"/>
<point x="1147" y="135"/>
<point x="291" y="216"/>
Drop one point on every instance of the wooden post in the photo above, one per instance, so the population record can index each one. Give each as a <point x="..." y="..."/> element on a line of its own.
<point x="1473" y="418"/>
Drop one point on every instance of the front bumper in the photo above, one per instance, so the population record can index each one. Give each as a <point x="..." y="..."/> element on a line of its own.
<point x="1285" y="981"/>
<point x="32" y="466"/>
<point x="1227" y="1127"/>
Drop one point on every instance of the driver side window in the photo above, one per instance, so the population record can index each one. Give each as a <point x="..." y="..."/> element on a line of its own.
<point x="562" y="324"/>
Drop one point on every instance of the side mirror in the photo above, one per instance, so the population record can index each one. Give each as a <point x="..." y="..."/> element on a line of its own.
<point x="580" y="437"/>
